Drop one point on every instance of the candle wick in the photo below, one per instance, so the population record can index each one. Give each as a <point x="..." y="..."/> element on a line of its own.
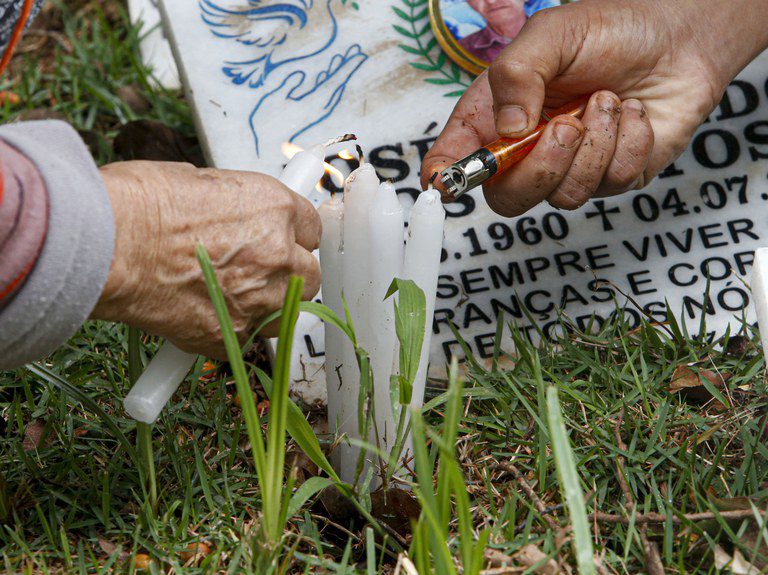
<point x="340" y="139"/>
<point x="360" y="155"/>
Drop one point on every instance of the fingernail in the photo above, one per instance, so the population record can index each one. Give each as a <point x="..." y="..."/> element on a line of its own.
<point x="566" y="135"/>
<point x="607" y="102"/>
<point x="633" y="104"/>
<point x="511" y="119"/>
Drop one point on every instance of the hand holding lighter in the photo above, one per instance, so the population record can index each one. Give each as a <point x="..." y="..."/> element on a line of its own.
<point x="500" y="155"/>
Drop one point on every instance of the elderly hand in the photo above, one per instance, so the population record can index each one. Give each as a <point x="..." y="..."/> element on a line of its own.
<point x="257" y="232"/>
<point x="657" y="70"/>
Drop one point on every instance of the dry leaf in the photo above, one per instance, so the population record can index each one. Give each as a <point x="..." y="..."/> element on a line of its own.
<point x="141" y="562"/>
<point x="33" y="435"/>
<point x="395" y="507"/>
<point x="133" y="98"/>
<point x="10" y="97"/>
<point x="531" y="555"/>
<point x="195" y="551"/>
<point x="209" y="371"/>
<point x="689" y="382"/>
<point x="405" y="566"/>
<point x="735" y="564"/>
<point x="496" y="558"/>
<point x="738" y="345"/>
<point x="110" y="548"/>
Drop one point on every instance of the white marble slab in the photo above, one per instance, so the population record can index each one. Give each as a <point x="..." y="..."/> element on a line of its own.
<point x="325" y="68"/>
<point x="155" y="50"/>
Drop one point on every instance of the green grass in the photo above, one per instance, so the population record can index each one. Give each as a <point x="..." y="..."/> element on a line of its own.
<point x="83" y="502"/>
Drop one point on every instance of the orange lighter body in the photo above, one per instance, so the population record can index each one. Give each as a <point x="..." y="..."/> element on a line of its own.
<point x="500" y="155"/>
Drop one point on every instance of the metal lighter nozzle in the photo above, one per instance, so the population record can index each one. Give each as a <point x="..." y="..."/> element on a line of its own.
<point x="469" y="173"/>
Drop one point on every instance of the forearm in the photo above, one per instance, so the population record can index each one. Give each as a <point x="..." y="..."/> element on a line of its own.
<point x="733" y="32"/>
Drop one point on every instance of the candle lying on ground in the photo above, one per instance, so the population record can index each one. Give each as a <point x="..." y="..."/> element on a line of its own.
<point x="385" y="252"/>
<point x="169" y="367"/>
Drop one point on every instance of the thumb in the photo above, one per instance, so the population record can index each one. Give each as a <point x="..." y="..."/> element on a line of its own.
<point x="518" y="77"/>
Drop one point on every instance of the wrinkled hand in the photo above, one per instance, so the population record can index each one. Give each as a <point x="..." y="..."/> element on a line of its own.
<point x="257" y="232"/>
<point x="657" y="70"/>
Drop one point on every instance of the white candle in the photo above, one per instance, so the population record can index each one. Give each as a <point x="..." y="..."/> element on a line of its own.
<point x="304" y="170"/>
<point x="759" y="285"/>
<point x="158" y="383"/>
<point x="386" y="225"/>
<point x="422" y="265"/>
<point x="359" y="192"/>
<point x="331" y="260"/>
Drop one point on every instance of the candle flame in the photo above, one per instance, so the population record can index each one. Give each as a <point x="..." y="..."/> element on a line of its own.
<point x="346" y="155"/>
<point x="290" y="149"/>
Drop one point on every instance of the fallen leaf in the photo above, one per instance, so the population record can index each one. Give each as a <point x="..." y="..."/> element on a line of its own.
<point x="531" y="555"/>
<point x="738" y="345"/>
<point x="195" y="551"/>
<point x="735" y="564"/>
<point x="496" y="558"/>
<point x="141" y="562"/>
<point x="338" y="507"/>
<point x="395" y="507"/>
<point x="133" y="98"/>
<point x="690" y="383"/>
<point x="10" y="97"/>
<point x="107" y="546"/>
<point x="110" y="549"/>
<point x="209" y="371"/>
<point x="749" y="530"/>
<point x="33" y="436"/>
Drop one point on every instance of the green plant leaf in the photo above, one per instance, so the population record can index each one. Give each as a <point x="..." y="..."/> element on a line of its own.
<point x="410" y="322"/>
<point x="278" y="410"/>
<point x="247" y="404"/>
<point x="59" y="382"/>
<point x="569" y="485"/>
<point x="317" y="309"/>
<point x="305" y="492"/>
<point x="300" y="430"/>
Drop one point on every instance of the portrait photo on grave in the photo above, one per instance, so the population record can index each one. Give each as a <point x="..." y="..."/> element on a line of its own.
<point x="474" y="32"/>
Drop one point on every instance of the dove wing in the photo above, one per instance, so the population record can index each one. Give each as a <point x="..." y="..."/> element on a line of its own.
<point x="255" y="24"/>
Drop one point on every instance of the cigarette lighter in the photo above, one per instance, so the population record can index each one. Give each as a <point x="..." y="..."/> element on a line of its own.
<point x="500" y="155"/>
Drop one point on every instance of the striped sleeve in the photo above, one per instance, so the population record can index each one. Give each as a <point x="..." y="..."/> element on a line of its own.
<point x="23" y="220"/>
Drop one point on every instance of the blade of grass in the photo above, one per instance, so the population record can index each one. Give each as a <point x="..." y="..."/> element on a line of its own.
<point x="569" y="485"/>
<point x="251" y="416"/>
<point x="57" y="381"/>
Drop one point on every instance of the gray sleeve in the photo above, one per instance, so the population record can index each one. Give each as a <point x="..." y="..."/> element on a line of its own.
<point x="67" y="280"/>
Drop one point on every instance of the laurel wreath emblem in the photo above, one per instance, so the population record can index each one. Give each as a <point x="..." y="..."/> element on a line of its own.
<point x="422" y="42"/>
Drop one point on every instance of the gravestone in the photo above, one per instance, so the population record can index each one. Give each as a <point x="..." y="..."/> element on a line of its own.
<point x="317" y="69"/>
<point x="155" y="50"/>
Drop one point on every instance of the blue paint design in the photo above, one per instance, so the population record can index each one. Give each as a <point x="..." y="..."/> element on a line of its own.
<point x="265" y="27"/>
